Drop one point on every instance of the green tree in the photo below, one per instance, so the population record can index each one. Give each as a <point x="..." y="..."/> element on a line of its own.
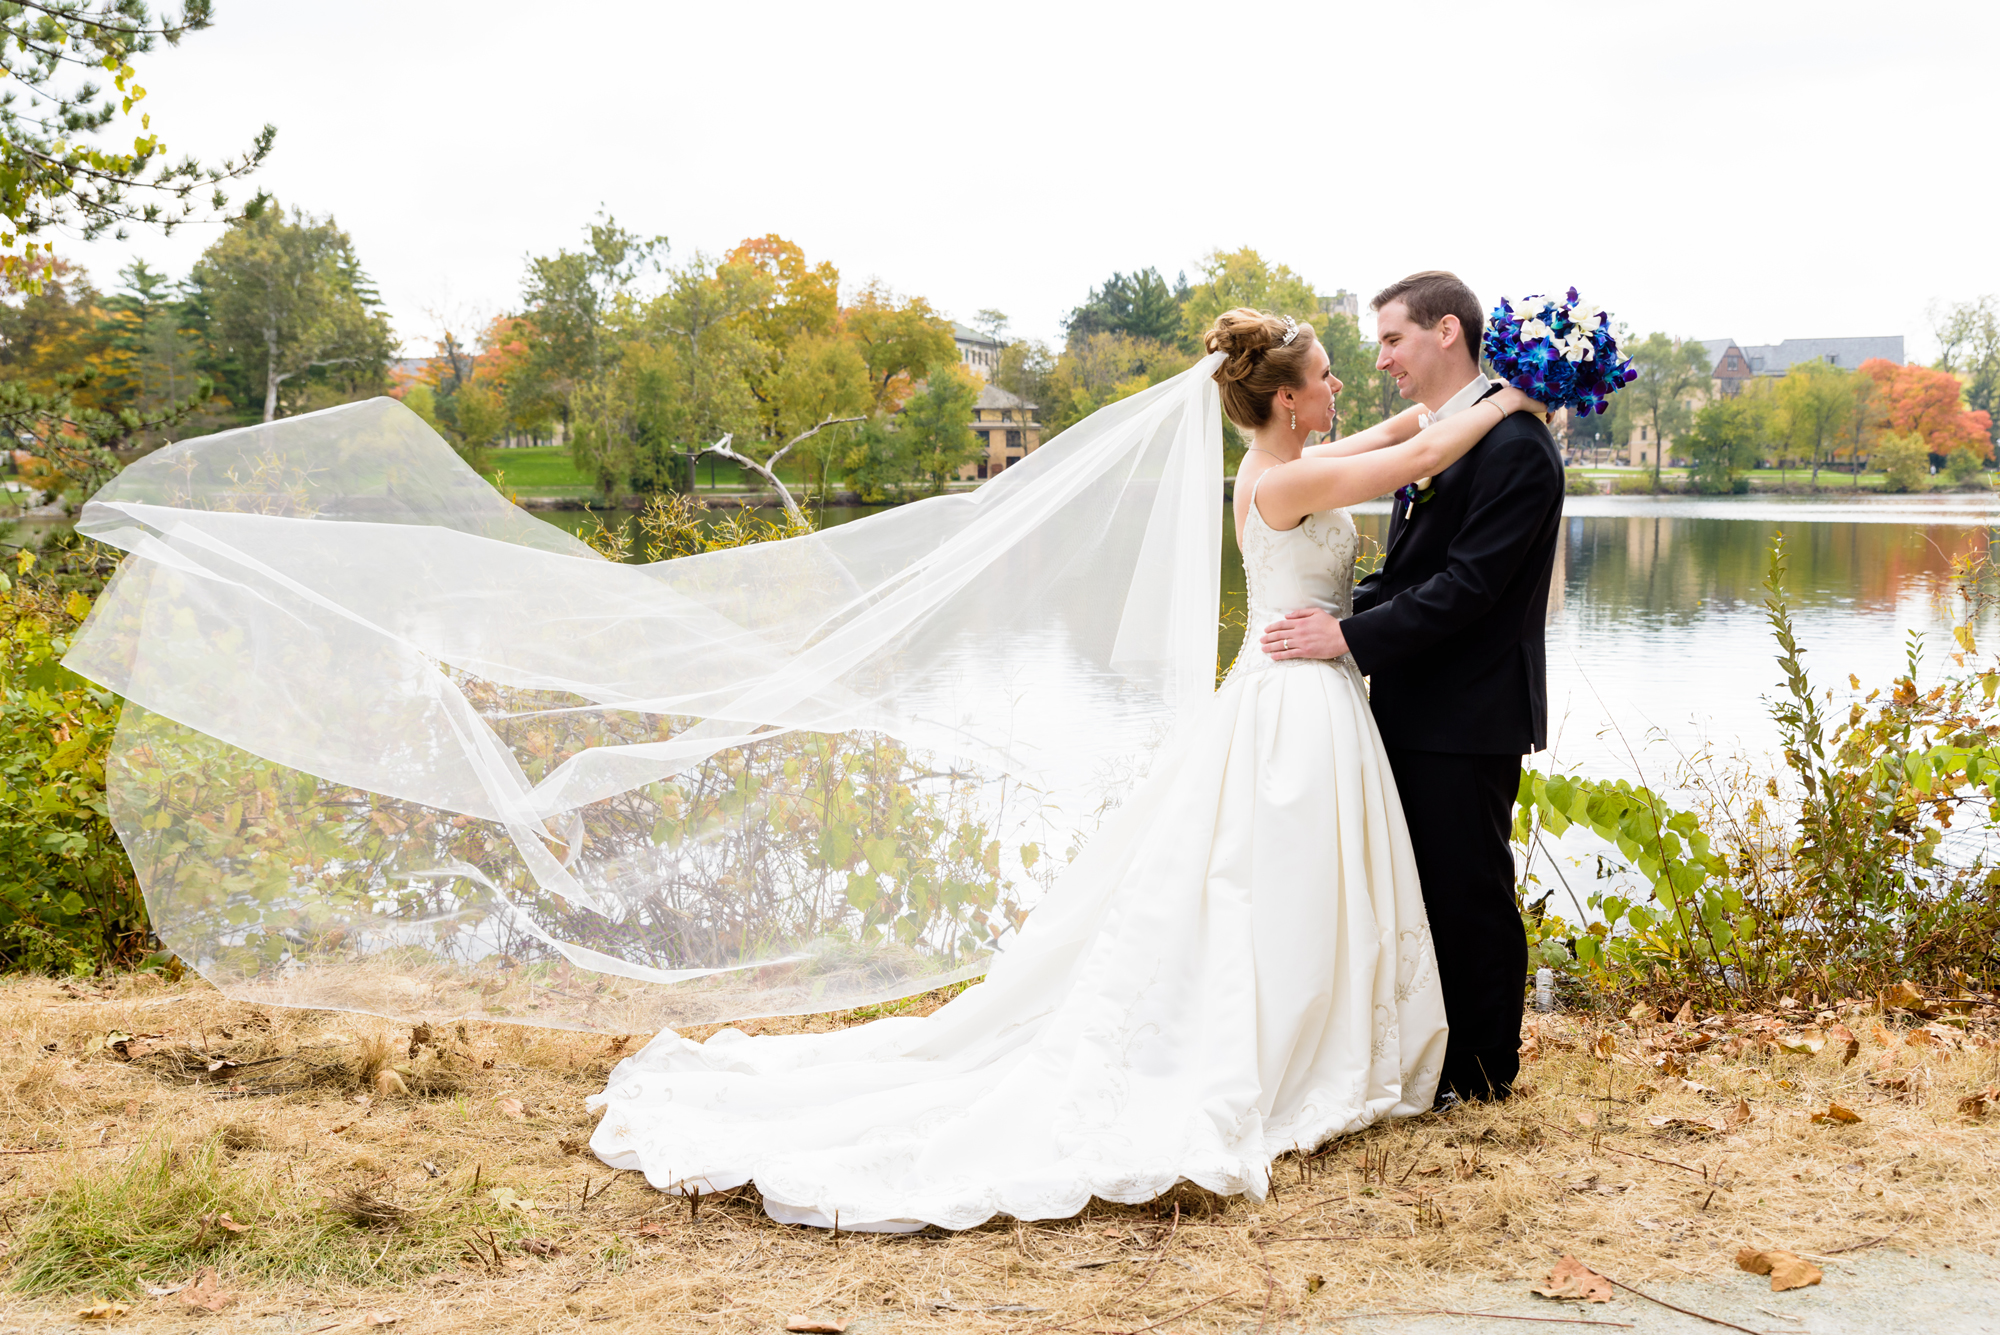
<point x="572" y="302"/>
<point x="701" y="316"/>
<point x="1672" y="372"/>
<point x="53" y="172"/>
<point x="1242" y="278"/>
<point x="1816" y="402"/>
<point x="1861" y="424"/>
<point x="822" y="379"/>
<point x="1721" y="445"/>
<point x="289" y="298"/>
<point x="937" y="427"/>
<point x="1140" y="305"/>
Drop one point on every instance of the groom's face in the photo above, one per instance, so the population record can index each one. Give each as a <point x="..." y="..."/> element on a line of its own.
<point x="1415" y="356"/>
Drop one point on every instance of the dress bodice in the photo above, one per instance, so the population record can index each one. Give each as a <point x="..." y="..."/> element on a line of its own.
<point x="1311" y="565"/>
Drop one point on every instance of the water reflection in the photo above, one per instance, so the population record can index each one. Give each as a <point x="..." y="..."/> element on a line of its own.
<point x="1657" y="637"/>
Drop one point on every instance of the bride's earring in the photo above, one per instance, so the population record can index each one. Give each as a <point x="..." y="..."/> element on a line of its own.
<point x="1295" y="419"/>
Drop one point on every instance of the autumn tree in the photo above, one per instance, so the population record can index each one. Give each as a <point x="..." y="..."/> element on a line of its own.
<point x="289" y="298"/>
<point x="1929" y="405"/>
<point x="1101" y="369"/>
<point x="58" y="168"/>
<point x="901" y="340"/>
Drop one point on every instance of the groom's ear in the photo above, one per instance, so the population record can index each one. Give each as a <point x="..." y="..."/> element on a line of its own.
<point x="1450" y="332"/>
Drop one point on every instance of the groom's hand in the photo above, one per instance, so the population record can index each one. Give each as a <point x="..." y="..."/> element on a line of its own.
<point x="1310" y="633"/>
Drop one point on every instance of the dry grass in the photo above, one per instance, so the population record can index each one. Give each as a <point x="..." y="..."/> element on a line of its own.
<point x="452" y="1188"/>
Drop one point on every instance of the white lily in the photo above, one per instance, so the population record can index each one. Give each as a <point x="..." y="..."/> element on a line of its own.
<point x="1532" y="327"/>
<point x="1577" y="348"/>
<point x="1529" y="308"/>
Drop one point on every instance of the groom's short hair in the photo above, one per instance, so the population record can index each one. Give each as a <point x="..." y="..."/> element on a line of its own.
<point x="1430" y="296"/>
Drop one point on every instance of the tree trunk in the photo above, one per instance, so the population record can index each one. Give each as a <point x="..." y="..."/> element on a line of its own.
<point x="271" y="376"/>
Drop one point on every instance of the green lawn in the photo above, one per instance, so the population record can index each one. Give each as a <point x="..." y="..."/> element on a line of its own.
<point x="546" y="470"/>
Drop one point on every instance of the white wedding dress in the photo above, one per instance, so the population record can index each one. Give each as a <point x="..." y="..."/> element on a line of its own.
<point x="1236" y="966"/>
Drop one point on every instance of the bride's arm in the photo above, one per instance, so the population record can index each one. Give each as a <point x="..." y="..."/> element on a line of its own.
<point x="1292" y="491"/>
<point x="1392" y="432"/>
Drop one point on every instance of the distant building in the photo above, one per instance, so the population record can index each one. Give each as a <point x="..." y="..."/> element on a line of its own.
<point x="976" y="351"/>
<point x="1007" y="421"/>
<point x="1342" y="302"/>
<point x="1846" y="353"/>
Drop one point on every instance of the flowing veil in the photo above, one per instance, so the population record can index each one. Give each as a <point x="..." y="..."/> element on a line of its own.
<point x="391" y="744"/>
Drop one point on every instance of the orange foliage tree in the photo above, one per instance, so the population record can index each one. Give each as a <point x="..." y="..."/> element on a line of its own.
<point x="1920" y="401"/>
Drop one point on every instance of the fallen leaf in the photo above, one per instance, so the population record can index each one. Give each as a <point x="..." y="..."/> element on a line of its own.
<point x="812" y="1325"/>
<point x="1805" y="1043"/>
<point x="381" y="1318"/>
<point x="163" y="1290"/>
<point x="1587" y="1118"/>
<point x="1787" y="1271"/>
<point x="1685" y="1015"/>
<point x="1843" y="1037"/>
<point x="204" y="1293"/>
<point x="514" y="1110"/>
<point x="1738" y="1116"/>
<point x="1314" y="1282"/>
<point x="390" y="1085"/>
<point x="540" y="1247"/>
<point x="1643" y="1012"/>
<point x="573" y="1145"/>
<point x="507" y="1199"/>
<point x="652" y="1231"/>
<point x="1904" y="995"/>
<point x="231" y="1224"/>
<point x="103" y="1311"/>
<point x="1604" y="1046"/>
<point x="1688" y="1126"/>
<point x="1671" y="1063"/>
<point x="1571" y="1278"/>
<point x="1944" y="1035"/>
<point x="1835" y="1113"/>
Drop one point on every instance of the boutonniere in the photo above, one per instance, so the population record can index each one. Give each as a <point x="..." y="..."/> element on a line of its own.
<point x="1413" y="494"/>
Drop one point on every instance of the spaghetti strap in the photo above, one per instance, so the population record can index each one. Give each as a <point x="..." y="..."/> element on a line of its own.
<point x="1259" y="513"/>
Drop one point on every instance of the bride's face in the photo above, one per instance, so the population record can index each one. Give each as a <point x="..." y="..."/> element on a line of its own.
<point x="1313" y="401"/>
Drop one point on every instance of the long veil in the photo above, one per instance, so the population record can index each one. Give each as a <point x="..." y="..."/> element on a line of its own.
<point x="391" y="744"/>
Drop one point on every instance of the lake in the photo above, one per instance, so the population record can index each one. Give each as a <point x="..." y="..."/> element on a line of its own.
<point x="1657" y="639"/>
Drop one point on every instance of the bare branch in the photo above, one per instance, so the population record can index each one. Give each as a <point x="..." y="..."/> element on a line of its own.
<point x="721" y="447"/>
<point x="809" y="433"/>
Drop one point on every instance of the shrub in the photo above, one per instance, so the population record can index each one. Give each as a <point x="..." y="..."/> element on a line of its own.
<point x="68" y="899"/>
<point x="1906" y="460"/>
<point x="1965" y="467"/>
<point x="1834" y="873"/>
<point x="1576" y="484"/>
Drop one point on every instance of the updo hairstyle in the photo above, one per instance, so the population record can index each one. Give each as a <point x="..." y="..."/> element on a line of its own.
<point x="1258" y="362"/>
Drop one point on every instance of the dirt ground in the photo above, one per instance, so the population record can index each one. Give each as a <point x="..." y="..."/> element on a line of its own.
<point x="170" y="1160"/>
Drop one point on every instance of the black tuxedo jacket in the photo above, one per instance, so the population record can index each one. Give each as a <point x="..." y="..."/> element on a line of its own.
<point x="1450" y="627"/>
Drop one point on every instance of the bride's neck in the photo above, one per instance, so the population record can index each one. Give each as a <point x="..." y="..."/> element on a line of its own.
<point x="1274" y="439"/>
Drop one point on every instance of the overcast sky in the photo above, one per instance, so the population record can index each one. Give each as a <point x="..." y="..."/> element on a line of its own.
<point x="1759" y="170"/>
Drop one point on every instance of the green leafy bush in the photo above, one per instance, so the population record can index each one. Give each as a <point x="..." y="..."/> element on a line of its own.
<point x="1906" y="460"/>
<point x="1837" y="873"/>
<point x="68" y="899"/>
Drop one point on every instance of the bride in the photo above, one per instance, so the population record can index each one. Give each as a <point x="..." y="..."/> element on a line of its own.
<point x="1236" y="966"/>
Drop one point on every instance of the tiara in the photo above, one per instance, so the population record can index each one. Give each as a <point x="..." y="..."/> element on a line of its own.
<point x="1291" y="332"/>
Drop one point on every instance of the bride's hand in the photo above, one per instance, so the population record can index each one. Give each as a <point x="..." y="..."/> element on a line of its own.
<point x="1512" y="400"/>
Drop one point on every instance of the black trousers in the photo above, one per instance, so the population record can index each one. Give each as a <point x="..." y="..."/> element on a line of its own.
<point x="1460" y="809"/>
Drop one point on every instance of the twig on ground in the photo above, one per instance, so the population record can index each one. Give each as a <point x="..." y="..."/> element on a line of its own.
<point x="1497" y="1316"/>
<point x="1699" y="1316"/>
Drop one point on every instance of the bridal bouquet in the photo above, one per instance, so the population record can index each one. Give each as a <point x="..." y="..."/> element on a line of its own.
<point x="1557" y="351"/>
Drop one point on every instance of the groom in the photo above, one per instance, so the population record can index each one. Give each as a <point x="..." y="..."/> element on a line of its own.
<point x="1450" y="631"/>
